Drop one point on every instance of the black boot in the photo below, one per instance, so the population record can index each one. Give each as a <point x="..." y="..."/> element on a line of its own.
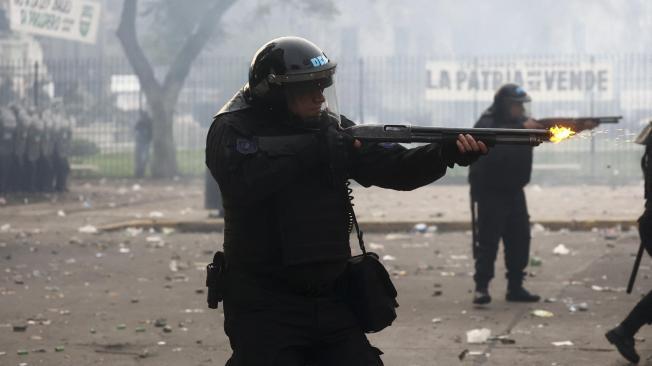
<point x="624" y="343"/>
<point x="481" y="295"/>
<point x="520" y="294"/>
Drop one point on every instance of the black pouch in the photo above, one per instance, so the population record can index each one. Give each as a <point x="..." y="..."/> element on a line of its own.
<point x="215" y="280"/>
<point x="370" y="293"/>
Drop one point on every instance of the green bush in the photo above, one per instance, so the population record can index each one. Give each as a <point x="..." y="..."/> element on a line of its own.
<point x="82" y="147"/>
<point x="121" y="164"/>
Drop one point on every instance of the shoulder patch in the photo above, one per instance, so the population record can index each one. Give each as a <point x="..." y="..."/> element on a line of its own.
<point x="245" y="146"/>
<point x="387" y="145"/>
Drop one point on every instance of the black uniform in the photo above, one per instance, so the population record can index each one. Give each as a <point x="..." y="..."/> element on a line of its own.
<point x="19" y="164"/>
<point x="287" y="217"/>
<point x="7" y="132"/>
<point x="61" y="165"/>
<point x="6" y="147"/>
<point x="623" y="335"/>
<point x="642" y="312"/>
<point x="32" y="154"/>
<point x="45" y="162"/>
<point x="212" y="197"/>
<point x="286" y="237"/>
<point x="497" y="181"/>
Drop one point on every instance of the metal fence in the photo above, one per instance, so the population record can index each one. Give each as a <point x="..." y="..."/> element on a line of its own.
<point x="104" y="98"/>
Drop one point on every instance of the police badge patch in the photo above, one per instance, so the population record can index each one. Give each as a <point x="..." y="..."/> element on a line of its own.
<point x="387" y="145"/>
<point x="246" y="147"/>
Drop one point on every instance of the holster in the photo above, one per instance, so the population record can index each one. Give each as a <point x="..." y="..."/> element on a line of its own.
<point x="215" y="273"/>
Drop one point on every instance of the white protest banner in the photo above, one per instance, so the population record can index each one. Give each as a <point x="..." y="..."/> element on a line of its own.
<point x="544" y="80"/>
<point x="75" y="20"/>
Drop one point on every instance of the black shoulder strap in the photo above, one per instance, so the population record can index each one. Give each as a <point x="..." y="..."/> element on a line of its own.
<point x="353" y="219"/>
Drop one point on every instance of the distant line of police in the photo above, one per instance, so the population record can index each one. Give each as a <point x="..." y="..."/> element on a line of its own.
<point x="35" y="145"/>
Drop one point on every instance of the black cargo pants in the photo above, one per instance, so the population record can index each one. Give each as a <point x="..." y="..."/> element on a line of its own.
<point x="501" y="215"/>
<point x="271" y="326"/>
<point x="639" y="316"/>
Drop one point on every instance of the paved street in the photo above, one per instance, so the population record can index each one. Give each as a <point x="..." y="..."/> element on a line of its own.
<point x="106" y="298"/>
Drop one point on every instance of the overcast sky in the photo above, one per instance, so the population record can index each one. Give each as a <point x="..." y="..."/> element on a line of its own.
<point x="438" y="27"/>
<point x="456" y="27"/>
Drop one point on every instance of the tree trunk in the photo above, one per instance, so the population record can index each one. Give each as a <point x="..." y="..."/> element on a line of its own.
<point x="164" y="158"/>
<point x="162" y="98"/>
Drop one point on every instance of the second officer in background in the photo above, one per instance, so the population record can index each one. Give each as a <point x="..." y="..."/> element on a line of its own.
<point x="497" y="181"/>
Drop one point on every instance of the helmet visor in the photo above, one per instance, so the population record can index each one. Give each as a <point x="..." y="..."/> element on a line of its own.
<point x="527" y="109"/>
<point x="331" y="103"/>
<point x="516" y="110"/>
<point x="312" y="98"/>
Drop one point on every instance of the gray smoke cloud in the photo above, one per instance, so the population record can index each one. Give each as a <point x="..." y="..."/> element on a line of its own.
<point x="451" y="27"/>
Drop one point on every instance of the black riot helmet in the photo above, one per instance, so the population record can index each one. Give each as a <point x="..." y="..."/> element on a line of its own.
<point x="508" y="95"/>
<point x="511" y="93"/>
<point x="7" y="118"/>
<point x="645" y="137"/>
<point x="290" y="64"/>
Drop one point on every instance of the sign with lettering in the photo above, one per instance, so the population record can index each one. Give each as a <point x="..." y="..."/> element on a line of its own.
<point x="75" y="20"/>
<point x="543" y="80"/>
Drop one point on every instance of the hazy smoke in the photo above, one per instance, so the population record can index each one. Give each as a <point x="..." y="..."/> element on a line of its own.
<point x="453" y="27"/>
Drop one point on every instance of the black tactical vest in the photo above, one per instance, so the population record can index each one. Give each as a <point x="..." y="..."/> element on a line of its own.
<point x="34" y="143"/>
<point x="63" y="142"/>
<point x="20" y="145"/>
<point x="48" y="142"/>
<point x="6" y="140"/>
<point x="313" y="221"/>
<point x="505" y="169"/>
<point x="305" y="222"/>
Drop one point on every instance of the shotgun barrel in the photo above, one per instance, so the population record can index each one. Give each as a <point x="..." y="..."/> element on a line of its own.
<point x="578" y="124"/>
<point x="417" y="134"/>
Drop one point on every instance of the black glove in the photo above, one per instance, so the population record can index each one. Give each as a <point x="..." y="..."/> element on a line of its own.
<point x="645" y="230"/>
<point x="452" y="155"/>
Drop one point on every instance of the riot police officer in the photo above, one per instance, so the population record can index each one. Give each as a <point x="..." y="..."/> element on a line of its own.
<point x="622" y="336"/>
<point x="497" y="181"/>
<point x="20" y="148"/>
<point x="45" y="162"/>
<point x="281" y="162"/>
<point x="33" y="152"/>
<point x="62" y="146"/>
<point x="7" y="139"/>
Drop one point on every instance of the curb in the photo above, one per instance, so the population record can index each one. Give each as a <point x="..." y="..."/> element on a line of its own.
<point x="217" y="225"/>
